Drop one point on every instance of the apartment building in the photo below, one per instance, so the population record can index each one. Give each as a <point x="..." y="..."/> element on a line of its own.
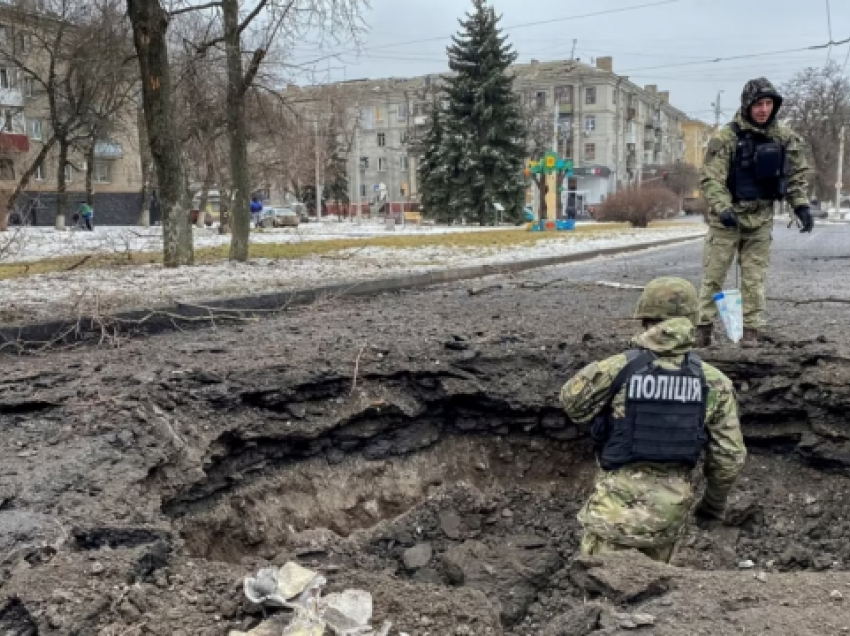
<point x="24" y="128"/>
<point x="611" y="127"/>
<point x="697" y="135"/>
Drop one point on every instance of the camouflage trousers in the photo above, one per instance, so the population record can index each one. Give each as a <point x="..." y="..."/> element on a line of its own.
<point x="753" y="249"/>
<point x="594" y="544"/>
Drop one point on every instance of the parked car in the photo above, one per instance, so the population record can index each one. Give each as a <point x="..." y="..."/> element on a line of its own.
<point x="279" y="217"/>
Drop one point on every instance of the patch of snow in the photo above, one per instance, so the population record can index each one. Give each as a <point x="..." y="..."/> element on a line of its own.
<point x="81" y="292"/>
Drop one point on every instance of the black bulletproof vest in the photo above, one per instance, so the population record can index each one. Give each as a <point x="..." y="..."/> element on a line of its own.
<point x="760" y="168"/>
<point x="665" y="414"/>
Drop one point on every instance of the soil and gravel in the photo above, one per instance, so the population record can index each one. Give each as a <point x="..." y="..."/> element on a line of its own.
<point x="412" y="445"/>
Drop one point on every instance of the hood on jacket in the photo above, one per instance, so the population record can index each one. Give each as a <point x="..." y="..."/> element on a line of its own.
<point x="755" y="90"/>
<point x="674" y="337"/>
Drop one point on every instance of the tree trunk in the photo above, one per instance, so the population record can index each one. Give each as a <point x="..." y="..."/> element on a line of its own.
<point x="147" y="191"/>
<point x="240" y="214"/>
<point x="150" y="22"/>
<point x="90" y="173"/>
<point x="209" y="178"/>
<point x="61" y="186"/>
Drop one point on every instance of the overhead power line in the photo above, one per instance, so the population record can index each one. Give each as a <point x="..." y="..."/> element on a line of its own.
<point x="506" y="28"/>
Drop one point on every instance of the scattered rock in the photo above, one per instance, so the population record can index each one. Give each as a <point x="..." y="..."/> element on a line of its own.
<point x="450" y="523"/>
<point x="835" y="595"/>
<point x="623" y="577"/>
<point x="418" y="556"/>
<point x="761" y="577"/>
<point x="746" y="565"/>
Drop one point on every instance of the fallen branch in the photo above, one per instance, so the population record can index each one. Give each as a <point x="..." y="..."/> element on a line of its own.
<point x="85" y="259"/>
<point x="475" y="291"/>
<point x="812" y="301"/>
<point x="356" y="369"/>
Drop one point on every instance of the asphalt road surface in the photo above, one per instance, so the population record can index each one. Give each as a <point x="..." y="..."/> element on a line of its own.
<point x="804" y="267"/>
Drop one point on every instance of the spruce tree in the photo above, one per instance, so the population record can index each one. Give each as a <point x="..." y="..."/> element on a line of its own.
<point x="483" y="136"/>
<point x="433" y="171"/>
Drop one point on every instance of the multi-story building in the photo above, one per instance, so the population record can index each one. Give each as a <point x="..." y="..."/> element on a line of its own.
<point x="611" y="127"/>
<point x="697" y="135"/>
<point x="25" y="126"/>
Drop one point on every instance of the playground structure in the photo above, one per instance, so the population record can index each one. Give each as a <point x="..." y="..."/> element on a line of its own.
<point x="548" y="173"/>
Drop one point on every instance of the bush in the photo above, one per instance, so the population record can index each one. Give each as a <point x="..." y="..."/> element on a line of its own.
<point x="639" y="205"/>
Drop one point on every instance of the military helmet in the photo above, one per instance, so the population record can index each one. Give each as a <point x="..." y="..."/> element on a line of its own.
<point x="668" y="297"/>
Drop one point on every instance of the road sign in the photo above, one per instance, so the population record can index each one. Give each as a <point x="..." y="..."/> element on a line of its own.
<point x="377" y="187"/>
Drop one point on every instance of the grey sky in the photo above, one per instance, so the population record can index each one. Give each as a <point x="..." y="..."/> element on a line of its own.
<point x="680" y="32"/>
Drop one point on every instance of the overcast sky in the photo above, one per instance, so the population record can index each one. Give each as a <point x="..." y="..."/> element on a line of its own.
<point x="667" y="44"/>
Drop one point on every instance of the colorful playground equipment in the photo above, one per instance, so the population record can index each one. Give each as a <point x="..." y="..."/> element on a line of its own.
<point x="556" y="169"/>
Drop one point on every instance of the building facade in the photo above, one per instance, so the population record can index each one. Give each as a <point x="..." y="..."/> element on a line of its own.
<point x="25" y="128"/>
<point x="697" y="135"/>
<point x="609" y="126"/>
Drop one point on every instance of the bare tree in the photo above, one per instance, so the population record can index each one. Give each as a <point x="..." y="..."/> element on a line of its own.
<point x="261" y="25"/>
<point x="817" y="104"/>
<point x="150" y="24"/>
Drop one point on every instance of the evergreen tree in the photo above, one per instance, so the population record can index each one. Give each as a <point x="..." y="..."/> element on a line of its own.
<point x="483" y="136"/>
<point x="433" y="171"/>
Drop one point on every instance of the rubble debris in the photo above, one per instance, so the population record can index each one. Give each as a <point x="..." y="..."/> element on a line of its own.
<point x="346" y="613"/>
<point x="418" y="556"/>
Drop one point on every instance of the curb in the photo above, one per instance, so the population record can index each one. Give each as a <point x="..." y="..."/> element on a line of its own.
<point x="146" y="322"/>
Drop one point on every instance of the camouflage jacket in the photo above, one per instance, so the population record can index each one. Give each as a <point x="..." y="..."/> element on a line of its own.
<point x="718" y="163"/>
<point x="645" y="505"/>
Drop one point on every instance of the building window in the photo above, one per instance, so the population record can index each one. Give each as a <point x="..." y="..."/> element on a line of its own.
<point x="29" y="87"/>
<point x="7" y="170"/>
<point x="382" y="139"/>
<point x="590" y="152"/>
<point x="590" y="95"/>
<point x="362" y="190"/>
<point x="540" y="99"/>
<point x="403" y="162"/>
<point x="39" y="173"/>
<point x="24" y="42"/>
<point x="6" y="77"/>
<point x="364" y="163"/>
<point x="590" y="123"/>
<point x="69" y="173"/>
<point x="382" y="164"/>
<point x="402" y="112"/>
<point x="404" y="136"/>
<point x="36" y="130"/>
<point x="102" y="172"/>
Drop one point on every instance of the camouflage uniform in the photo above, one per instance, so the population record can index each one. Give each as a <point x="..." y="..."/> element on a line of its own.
<point x="645" y="506"/>
<point x="752" y="238"/>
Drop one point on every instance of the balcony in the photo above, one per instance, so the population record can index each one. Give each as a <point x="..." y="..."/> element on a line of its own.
<point x="565" y="109"/>
<point x="11" y="97"/>
<point x="108" y="150"/>
<point x="17" y="142"/>
<point x="631" y="113"/>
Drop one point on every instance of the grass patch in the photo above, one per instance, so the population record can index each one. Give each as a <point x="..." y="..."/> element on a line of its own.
<point x="469" y="240"/>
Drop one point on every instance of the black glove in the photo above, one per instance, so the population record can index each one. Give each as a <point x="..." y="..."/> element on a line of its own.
<point x="728" y="218"/>
<point x="807" y="222"/>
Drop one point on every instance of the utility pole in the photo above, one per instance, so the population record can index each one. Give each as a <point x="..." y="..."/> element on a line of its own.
<point x="357" y="172"/>
<point x="318" y="187"/>
<point x="556" y="105"/>
<point x="840" y="171"/>
<point x="717" y="111"/>
<point x="573" y="52"/>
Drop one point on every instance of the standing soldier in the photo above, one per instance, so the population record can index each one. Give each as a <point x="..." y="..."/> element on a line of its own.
<point x="749" y="164"/>
<point x="655" y="409"/>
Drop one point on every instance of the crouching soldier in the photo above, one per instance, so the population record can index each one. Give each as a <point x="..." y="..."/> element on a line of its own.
<point x="655" y="411"/>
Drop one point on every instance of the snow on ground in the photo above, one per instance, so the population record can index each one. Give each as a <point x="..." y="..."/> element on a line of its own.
<point x="36" y="243"/>
<point x="48" y="296"/>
